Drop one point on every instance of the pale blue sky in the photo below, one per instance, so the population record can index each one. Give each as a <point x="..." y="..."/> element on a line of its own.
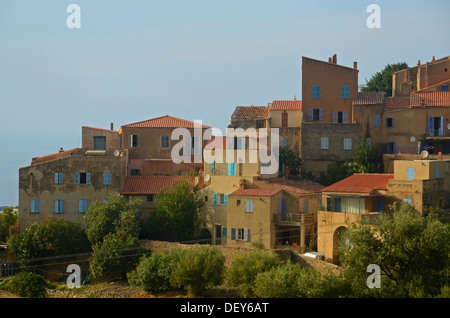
<point x="135" y="60"/>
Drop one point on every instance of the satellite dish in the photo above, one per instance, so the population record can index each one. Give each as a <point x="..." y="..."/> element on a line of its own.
<point x="412" y="139"/>
<point x="424" y="154"/>
<point x="116" y="153"/>
<point x="207" y="177"/>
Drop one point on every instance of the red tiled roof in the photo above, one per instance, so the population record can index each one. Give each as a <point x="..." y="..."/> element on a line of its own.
<point x="397" y="102"/>
<point x="369" y="98"/>
<point x="150" y="184"/>
<point x="434" y="85"/>
<point x="54" y="156"/>
<point x="299" y="186"/>
<point x="361" y="183"/>
<point x="286" y="105"/>
<point x="255" y="192"/>
<point x="164" y="122"/>
<point x="243" y="112"/>
<point x="430" y="99"/>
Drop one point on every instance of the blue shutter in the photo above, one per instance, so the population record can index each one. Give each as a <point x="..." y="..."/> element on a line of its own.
<point x="212" y="166"/>
<point x="77" y="178"/>
<point x="393" y="147"/>
<point x="234" y="169"/>
<point x="80" y="205"/>
<point x="321" y="114"/>
<point x="233" y="234"/>
<point x="311" y="114"/>
<point x="376" y="120"/>
<point x="107" y="178"/>
<point x="225" y="199"/>
<point x="438" y="172"/>
<point x="411" y="173"/>
<point x="335" y="117"/>
<point x="305" y="206"/>
<point x="344" y="117"/>
<point x="430" y="126"/>
<point x="88" y="178"/>
<point x="215" y="198"/>
<point x="380" y="205"/>
<point x="56" y="206"/>
<point x="56" y="178"/>
<point x="280" y="206"/>
<point x="61" y="178"/>
<point x="246" y="235"/>
<point x="441" y="128"/>
<point x="224" y="232"/>
<point x="229" y="169"/>
<point x="285" y="142"/>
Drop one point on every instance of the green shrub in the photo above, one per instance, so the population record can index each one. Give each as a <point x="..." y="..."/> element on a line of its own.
<point x="49" y="238"/>
<point x="27" y="284"/>
<point x="278" y="282"/>
<point x="154" y="272"/>
<point x="199" y="268"/>
<point x="115" y="256"/>
<point x="246" y="267"/>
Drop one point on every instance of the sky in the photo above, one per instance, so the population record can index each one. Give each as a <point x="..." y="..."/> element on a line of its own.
<point x="194" y="59"/>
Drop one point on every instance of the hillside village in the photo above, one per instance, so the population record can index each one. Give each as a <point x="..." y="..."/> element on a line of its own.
<point x="251" y="196"/>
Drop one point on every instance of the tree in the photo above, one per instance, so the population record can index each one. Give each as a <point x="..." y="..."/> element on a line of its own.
<point x="49" y="238"/>
<point x="292" y="161"/>
<point x="176" y="213"/>
<point x="382" y="81"/>
<point x="366" y="158"/>
<point x="412" y="252"/>
<point x="8" y="218"/>
<point x="117" y="213"/>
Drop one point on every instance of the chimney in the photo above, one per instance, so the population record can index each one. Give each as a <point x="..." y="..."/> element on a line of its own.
<point x="355" y="65"/>
<point x="334" y="59"/>
<point x="330" y="60"/>
<point x="112" y="126"/>
<point x="61" y="149"/>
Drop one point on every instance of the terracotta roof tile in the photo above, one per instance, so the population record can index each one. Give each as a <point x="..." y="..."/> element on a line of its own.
<point x="255" y="192"/>
<point x="369" y="98"/>
<point x="164" y="122"/>
<point x="286" y="105"/>
<point x="361" y="183"/>
<point x="243" y="112"/>
<point x="149" y="185"/>
<point x="430" y="99"/>
<point x="434" y="85"/>
<point x="397" y="102"/>
<point x="299" y="186"/>
<point x="54" y="156"/>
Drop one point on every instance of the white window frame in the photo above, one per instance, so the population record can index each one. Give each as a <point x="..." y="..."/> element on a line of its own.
<point x="347" y="143"/>
<point x="248" y="205"/>
<point x="324" y="143"/>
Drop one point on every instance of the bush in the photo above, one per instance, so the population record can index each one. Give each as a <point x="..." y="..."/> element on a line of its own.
<point x="199" y="268"/>
<point x="246" y="267"/>
<point x="154" y="272"/>
<point x="278" y="282"/>
<point x="27" y="284"/>
<point x="49" y="238"/>
<point x="113" y="258"/>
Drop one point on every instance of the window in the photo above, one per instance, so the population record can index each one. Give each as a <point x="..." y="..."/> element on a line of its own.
<point x="220" y="199"/>
<point x="409" y="201"/>
<point x="315" y="114"/>
<point x="248" y="205"/>
<point x="82" y="205"/>
<point x="282" y="205"/>
<point x="324" y="143"/>
<point x="164" y="141"/>
<point x="305" y="206"/>
<point x="340" y="117"/>
<point x="436" y="126"/>
<point x="438" y="172"/>
<point x="34" y="206"/>
<point x="390" y="148"/>
<point x="376" y="120"/>
<point x="135" y="172"/>
<point x="242" y="234"/>
<point x="59" y="206"/>
<point x="212" y="166"/>
<point x="99" y="143"/>
<point x="444" y="88"/>
<point x="82" y="178"/>
<point x="150" y="198"/>
<point x="410" y="173"/>
<point x="337" y="205"/>
<point x="285" y="142"/>
<point x="238" y="202"/>
<point x="134" y="141"/>
<point x="232" y="168"/>
<point x="345" y="91"/>
<point x="389" y="122"/>
<point x="380" y="205"/>
<point x="347" y="143"/>
<point x="107" y="178"/>
<point x="59" y="178"/>
<point x="316" y="91"/>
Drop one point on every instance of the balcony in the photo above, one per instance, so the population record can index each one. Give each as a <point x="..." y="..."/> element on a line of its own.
<point x="289" y="219"/>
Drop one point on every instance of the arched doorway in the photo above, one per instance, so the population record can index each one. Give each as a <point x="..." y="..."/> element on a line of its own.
<point x="337" y="242"/>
